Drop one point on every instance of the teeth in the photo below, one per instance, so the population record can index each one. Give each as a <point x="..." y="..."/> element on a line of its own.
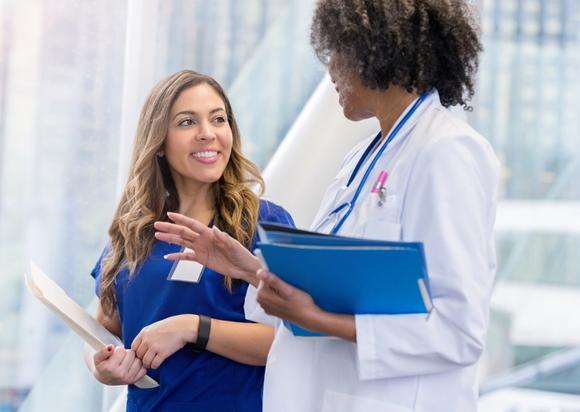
<point x="209" y="153"/>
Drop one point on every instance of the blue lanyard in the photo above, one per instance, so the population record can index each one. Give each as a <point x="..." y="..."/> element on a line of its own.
<point x="368" y="150"/>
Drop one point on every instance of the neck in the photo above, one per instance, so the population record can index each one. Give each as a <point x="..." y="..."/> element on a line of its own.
<point x="195" y="200"/>
<point x="391" y="104"/>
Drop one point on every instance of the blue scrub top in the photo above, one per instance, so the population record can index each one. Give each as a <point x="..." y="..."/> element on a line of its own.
<point x="188" y="381"/>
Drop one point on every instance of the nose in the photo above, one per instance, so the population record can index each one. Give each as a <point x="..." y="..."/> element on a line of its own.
<point x="206" y="132"/>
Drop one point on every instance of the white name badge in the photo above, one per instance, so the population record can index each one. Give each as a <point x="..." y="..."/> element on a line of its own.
<point x="186" y="270"/>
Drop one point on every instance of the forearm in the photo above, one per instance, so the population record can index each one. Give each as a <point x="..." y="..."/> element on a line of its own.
<point x="333" y="324"/>
<point x="242" y="342"/>
<point x="248" y="273"/>
<point x="111" y="323"/>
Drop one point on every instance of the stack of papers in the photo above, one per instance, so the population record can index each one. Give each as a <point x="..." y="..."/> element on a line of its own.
<point x="78" y="319"/>
<point x="348" y="275"/>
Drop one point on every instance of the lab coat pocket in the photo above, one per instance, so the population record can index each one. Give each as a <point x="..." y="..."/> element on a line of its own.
<point x="343" y="402"/>
<point x="382" y="221"/>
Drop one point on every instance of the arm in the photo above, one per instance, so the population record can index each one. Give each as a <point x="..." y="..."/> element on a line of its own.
<point x="450" y="207"/>
<point x="112" y="324"/>
<point x="451" y="210"/>
<point x="242" y="342"/>
<point x="247" y="343"/>
<point x="282" y="300"/>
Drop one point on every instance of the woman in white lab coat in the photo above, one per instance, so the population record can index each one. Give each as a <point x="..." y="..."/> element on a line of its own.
<point x="426" y="176"/>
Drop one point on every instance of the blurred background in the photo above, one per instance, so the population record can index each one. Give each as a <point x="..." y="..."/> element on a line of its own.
<point x="73" y="77"/>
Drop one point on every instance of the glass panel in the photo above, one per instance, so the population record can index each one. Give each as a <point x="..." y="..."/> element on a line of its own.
<point x="248" y="45"/>
<point x="60" y="81"/>
<point x="528" y="102"/>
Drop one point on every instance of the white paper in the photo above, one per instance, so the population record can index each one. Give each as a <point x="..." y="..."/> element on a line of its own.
<point x="186" y="270"/>
<point x="77" y="318"/>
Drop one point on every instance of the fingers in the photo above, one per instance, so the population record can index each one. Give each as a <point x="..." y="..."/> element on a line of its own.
<point x="176" y="229"/>
<point x="268" y="298"/>
<point x="141" y="371"/>
<point x="128" y="360"/>
<point x="188" y="222"/>
<point x="120" y="368"/>
<point x="136" y="371"/>
<point x="157" y="361"/>
<point x="175" y="239"/>
<point x="221" y="237"/>
<point x="179" y="230"/>
<point x="130" y="368"/>
<point x="119" y="354"/>
<point x="103" y="354"/>
<point x="147" y="351"/>
<point x="147" y="359"/>
<point x="136" y="343"/>
<point x="139" y="346"/>
<point x="274" y="282"/>
<point x="181" y="256"/>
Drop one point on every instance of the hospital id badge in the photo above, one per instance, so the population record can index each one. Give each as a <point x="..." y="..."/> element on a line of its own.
<point x="186" y="270"/>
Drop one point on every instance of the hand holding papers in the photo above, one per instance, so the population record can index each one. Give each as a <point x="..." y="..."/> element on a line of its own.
<point x="78" y="319"/>
<point x="348" y="275"/>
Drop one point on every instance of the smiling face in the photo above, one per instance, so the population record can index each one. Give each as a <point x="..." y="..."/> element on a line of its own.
<point x="199" y="139"/>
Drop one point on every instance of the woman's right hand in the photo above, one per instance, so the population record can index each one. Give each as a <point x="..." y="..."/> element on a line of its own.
<point x="210" y="246"/>
<point x="115" y="365"/>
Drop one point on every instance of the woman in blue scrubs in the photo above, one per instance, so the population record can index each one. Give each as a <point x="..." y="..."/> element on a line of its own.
<point x="191" y="335"/>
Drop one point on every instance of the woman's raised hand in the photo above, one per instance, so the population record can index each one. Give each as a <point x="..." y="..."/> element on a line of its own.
<point x="209" y="246"/>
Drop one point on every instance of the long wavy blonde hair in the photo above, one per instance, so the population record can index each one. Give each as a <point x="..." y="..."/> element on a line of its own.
<point x="150" y="192"/>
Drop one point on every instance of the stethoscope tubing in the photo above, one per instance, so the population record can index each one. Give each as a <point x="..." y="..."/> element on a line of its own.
<point x="351" y="204"/>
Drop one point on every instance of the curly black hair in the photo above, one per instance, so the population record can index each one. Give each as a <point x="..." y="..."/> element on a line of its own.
<point x="415" y="44"/>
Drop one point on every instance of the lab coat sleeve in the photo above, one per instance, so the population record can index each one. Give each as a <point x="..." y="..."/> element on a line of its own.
<point x="450" y="206"/>
<point x="254" y="312"/>
<point x="269" y="212"/>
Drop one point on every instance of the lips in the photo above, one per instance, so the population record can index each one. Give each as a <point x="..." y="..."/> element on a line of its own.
<point x="205" y="156"/>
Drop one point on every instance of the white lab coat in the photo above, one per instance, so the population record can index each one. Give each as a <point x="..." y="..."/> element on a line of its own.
<point x="441" y="191"/>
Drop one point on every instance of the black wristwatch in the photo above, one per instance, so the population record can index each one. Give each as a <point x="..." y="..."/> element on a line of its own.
<point x="203" y="329"/>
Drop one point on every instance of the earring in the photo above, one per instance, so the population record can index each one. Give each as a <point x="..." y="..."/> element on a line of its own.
<point x="160" y="154"/>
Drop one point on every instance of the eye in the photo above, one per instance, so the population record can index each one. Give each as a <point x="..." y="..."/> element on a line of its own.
<point x="185" y="122"/>
<point x="220" y="119"/>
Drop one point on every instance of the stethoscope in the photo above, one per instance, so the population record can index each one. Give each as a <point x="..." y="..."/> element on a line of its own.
<point x="352" y="203"/>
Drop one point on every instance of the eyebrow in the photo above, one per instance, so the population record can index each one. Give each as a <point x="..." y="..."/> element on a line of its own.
<point x="218" y="109"/>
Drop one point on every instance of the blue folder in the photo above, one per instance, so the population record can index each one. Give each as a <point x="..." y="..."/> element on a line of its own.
<point x="348" y="275"/>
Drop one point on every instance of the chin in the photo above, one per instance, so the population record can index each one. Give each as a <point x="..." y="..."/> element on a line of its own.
<point x="210" y="179"/>
<point x="353" y="116"/>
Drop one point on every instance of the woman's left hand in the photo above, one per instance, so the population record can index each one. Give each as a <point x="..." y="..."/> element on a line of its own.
<point x="283" y="300"/>
<point x="161" y="339"/>
<point x="280" y="299"/>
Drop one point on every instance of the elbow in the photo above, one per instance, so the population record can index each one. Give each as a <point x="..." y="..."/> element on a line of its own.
<point x="257" y="358"/>
<point x="470" y="351"/>
<point x="257" y="354"/>
<point x="260" y="357"/>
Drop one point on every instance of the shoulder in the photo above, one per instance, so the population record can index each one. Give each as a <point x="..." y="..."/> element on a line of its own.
<point x="271" y="212"/>
<point x="96" y="271"/>
<point x="453" y="144"/>
<point x="454" y="154"/>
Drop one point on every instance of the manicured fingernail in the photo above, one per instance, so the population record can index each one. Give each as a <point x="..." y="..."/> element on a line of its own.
<point x="109" y="348"/>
